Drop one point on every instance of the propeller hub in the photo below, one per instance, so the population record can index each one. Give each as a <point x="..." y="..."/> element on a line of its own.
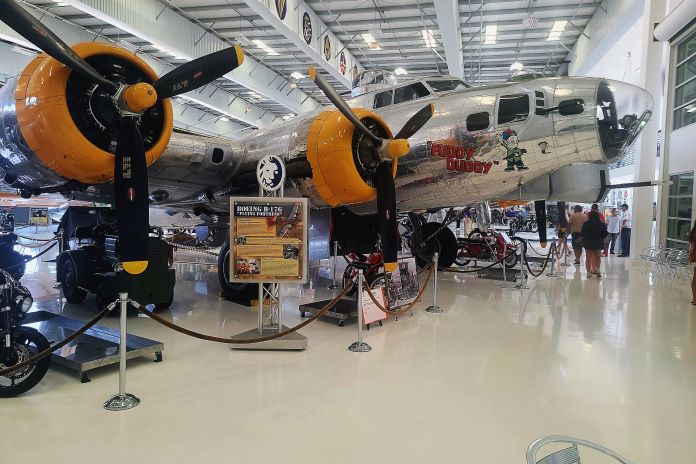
<point x="139" y="97"/>
<point x="397" y="148"/>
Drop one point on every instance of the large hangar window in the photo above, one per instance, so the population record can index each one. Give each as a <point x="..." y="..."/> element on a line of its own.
<point x="679" y="214"/>
<point x="383" y="99"/>
<point x="685" y="85"/>
<point x="513" y="108"/>
<point x="410" y="92"/>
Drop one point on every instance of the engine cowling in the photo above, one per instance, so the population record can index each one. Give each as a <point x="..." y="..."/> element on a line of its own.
<point x="342" y="168"/>
<point x="55" y="123"/>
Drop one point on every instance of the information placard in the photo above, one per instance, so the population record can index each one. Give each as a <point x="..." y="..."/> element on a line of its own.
<point x="268" y="239"/>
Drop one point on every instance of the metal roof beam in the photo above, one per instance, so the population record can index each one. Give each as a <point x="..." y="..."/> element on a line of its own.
<point x="162" y="26"/>
<point x="262" y="10"/>
<point x="448" y="22"/>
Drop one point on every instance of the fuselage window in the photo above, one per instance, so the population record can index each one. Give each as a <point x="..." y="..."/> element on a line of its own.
<point x="447" y="85"/>
<point x="218" y="155"/>
<point x="410" y="93"/>
<point x="383" y="99"/>
<point x="513" y="108"/>
<point x="478" y="121"/>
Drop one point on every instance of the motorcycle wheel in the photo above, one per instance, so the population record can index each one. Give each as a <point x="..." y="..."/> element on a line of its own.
<point x="533" y="227"/>
<point x="27" y="343"/>
<point x="347" y="277"/>
<point x="461" y="260"/>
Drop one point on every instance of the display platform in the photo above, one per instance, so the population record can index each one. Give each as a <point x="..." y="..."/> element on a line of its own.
<point x="345" y="309"/>
<point x="496" y="273"/>
<point x="292" y="341"/>
<point x="95" y="348"/>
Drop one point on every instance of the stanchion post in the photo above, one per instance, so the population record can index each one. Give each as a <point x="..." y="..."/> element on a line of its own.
<point x="434" y="308"/>
<point x="504" y="270"/>
<point x="334" y="285"/>
<point x="122" y="400"/>
<point x="552" y="250"/>
<point x="523" y="276"/>
<point x="360" y="346"/>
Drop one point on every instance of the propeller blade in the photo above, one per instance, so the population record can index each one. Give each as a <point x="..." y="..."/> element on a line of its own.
<point x="341" y="105"/>
<point x="386" y="214"/>
<point x="29" y="27"/>
<point x="131" y="197"/>
<point x="540" y="210"/>
<point x="417" y="121"/>
<point x="199" y="72"/>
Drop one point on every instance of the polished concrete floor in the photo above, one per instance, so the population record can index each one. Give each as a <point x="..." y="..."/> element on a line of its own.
<point x="608" y="360"/>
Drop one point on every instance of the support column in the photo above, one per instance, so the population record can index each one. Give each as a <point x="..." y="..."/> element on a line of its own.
<point x="652" y="65"/>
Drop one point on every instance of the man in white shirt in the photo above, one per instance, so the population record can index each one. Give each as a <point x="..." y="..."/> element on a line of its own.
<point x="613" y="227"/>
<point x="625" y="231"/>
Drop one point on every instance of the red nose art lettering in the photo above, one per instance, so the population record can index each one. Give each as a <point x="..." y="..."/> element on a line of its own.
<point x="459" y="158"/>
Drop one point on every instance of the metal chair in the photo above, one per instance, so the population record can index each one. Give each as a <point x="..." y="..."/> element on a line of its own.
<point x="568" y="455"/>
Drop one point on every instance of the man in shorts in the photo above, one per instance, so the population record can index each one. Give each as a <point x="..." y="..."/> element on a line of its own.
<point x="577" y="219"/>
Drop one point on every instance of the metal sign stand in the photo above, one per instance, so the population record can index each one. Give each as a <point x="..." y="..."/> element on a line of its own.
<point x="360" y="346"/>
<point x="274" y="322"/>
<point x="122" y="400"/>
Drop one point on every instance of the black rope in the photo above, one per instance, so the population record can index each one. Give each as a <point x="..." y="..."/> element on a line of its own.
<point x="32" y="258"/>
<point x="552" y="250"/>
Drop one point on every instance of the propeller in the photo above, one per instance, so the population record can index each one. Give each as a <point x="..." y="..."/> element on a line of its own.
<point x="540" y="210"/>
<point x="386" y="152"/>
<point x="130" y="164"/>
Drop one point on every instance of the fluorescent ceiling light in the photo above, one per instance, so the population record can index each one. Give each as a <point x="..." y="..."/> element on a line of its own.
<point x="368" y="38"/>
<point x="243" y="40"/>
<point x="557" y="30"/>
<point x="296" y="75"/>
<point x="264" y="47"/>
<point x="377" y="33"/>
<point x="491" y="34"/>
<point x="516" y="66"/>
<point x="428" y="38"/>
<point x="288" y="116"/>
<point x="224" y="119"/>
<point x="400" y="72"/>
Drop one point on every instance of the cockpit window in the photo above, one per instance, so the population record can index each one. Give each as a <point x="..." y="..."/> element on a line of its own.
<point x="447" y="85"/>
<point x="410" y="92"/>
<point x="513" y="108"/>
<point x="383" y="99"/>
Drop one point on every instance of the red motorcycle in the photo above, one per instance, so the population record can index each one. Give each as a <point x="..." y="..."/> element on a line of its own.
<point x="372" y="267"/>
<point x="490" y="246"/>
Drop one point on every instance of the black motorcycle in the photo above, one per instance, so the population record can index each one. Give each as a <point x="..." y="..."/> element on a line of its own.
<point x="11" y="260"/>
<point x="18" y="343"/>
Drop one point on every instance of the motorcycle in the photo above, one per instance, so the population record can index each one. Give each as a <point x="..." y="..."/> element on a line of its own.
<point x="372" y="267"/>
<point x="521" y="224"/>
<point x="491" y="246"/>
<point x="11" y="260"/>
<point x="18" y="343"/>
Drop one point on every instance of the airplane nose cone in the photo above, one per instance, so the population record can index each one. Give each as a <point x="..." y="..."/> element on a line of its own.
<point x="622" y="112"/>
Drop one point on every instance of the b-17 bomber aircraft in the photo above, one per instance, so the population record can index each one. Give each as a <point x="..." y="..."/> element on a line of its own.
<point x="77" y="115"/>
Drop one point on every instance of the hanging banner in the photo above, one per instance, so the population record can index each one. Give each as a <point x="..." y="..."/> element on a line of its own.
<point x="327" y="45"/>
<point x="344" y="63"/>
<point x="280" y="8"/>
<point x="308" y="25"/>
<point x="268" y="239"/>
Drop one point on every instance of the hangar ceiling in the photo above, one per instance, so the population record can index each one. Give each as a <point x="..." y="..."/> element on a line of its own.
<point x="477" y="40"/>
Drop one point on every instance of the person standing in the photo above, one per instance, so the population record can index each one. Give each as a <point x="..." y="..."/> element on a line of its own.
<point x="625" y="231"/>
<point x="613" y="227"/>
<point x="562" y="231"/>
<point x="577" y="219"/>
<point x="594" y="231"/>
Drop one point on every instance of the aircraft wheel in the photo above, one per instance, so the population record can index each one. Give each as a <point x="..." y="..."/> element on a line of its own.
<point x="71" y="291"/>
<point x="444" y="243"/>
<point x="234" y="291"/>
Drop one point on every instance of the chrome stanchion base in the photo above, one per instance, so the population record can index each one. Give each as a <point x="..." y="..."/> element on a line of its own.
<point x="434" y="309"/>
<point x="121" y="402"/>
<point x="359" y="347"/>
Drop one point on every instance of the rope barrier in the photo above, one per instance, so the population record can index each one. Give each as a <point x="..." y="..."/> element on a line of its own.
<point x="205" y="250"/>
<point x="59" y="345"/>
<point x="212" y="338"/>
<point x="552" y="251"/>
<point x="390" y="312"/>
<point x="460" y="271"/>
<point x="37" y="239"/>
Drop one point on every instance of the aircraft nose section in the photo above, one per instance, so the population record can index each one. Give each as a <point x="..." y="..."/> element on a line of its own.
<point x="622" y="112"/>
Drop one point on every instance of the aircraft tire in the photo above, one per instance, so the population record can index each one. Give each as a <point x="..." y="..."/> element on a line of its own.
<point x="445" y="243"/>
<point x="234" y="291"/>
